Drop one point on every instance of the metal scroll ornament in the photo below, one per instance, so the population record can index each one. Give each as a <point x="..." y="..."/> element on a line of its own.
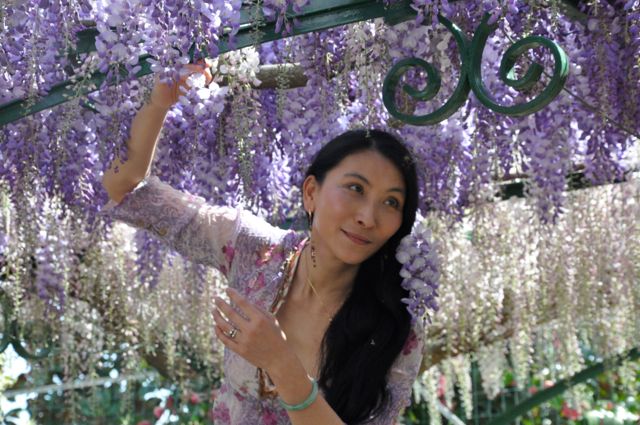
<point x="471" y="76"/>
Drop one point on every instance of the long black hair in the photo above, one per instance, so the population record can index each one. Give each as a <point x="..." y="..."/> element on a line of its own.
<point x="353" y="372"/>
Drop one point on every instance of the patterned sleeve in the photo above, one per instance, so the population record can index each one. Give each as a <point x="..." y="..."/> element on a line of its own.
<point x="403" y="373"/>
<point x="200" y="232"/>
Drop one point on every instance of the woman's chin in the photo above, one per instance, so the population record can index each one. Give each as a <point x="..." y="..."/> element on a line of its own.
<point x="352" y="259"/>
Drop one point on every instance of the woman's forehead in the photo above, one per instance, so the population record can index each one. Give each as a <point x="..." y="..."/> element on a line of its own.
<point x="372" y="166"/>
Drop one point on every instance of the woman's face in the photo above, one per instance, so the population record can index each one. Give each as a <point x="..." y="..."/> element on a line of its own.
<point x="358" y="207"/>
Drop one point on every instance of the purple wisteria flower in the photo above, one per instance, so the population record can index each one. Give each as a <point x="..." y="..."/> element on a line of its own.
<point x="52" y="257"/>
<point x="278" y="10"/>
<point x="4" y="243"/>
<point x="240" y="144"/>
<point x="420" y="271"/>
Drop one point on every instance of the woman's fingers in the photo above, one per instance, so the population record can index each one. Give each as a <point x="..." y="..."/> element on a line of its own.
<point x="190" y="69"/>
<point x="206" y="65"/>
<point x="208" y="76"/>
<point x="224" y="325"/>
<point x="258" y="339"/>
<point x="223" y="335"/>
<point x="167" y="94"/>
<point x="235" y="317"/>
<point x="243" y="304"/>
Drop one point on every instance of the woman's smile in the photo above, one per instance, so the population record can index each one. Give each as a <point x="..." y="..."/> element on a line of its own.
<point x="357" y="239"/>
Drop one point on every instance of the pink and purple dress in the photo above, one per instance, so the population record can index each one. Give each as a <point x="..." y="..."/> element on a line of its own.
<point x="259" y="261"/>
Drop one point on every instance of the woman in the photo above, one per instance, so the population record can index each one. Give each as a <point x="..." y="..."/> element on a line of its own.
<point x="316" y="332"/>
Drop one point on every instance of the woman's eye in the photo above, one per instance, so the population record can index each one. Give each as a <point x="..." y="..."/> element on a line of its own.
<point x="394" y="203"/>
<point x="355" y="187"/>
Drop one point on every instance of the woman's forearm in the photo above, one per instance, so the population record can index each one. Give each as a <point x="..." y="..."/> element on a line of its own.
<point x="294" y="385"/>
<point x="141" y="146"/>
<point x="145" y="129"/>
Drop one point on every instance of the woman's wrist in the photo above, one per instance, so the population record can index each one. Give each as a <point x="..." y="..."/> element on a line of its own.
<point x="283" y="366"/>
<point x="291" y="379"/>
<point x="313" y="394"/>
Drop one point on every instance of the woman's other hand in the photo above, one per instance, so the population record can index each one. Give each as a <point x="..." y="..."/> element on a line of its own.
<point x="258" y="339"/>
<point x="165" y="95"/>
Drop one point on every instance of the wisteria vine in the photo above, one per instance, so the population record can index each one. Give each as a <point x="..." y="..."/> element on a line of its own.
<point x="237" y="142"/>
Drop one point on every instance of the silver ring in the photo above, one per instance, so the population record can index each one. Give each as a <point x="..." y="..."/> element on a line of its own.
<point x="232" y="334"/>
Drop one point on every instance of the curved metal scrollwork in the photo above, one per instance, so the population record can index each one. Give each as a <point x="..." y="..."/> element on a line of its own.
<point x="471" y="76"/>
<point x="456" y="100"/>
<point x="532" y="76"/>
<point x="12" y="334"/>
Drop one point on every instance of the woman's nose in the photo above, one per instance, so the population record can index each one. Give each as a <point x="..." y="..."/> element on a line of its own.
<point x="366" y="216"/>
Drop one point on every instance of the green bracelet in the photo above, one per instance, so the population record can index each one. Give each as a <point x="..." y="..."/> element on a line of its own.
<point x="307" y="402"/>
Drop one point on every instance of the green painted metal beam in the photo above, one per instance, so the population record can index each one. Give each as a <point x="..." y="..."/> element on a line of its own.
<point x="576" y="180"/>
<point x="317" y="16"/>
<point x="561" y="386"/>
<point x="324" y="14"/>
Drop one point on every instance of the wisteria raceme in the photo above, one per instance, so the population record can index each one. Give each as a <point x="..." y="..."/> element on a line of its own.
<point x="309" y="110"/>
<point x="31" y="36"/>
<point x="549" y="162"/>
<point x="168" y="31"/>
<point x="278" y="10"/>
<point x="52" y="255"/>
<point x="150" y="261"/>
<point x="148" y="35"/>
<point x="116" y="43"/>
<point x="420" y="271"/>
<point x="4" y="235"/>
<point x="237" y="142"/>
<point x="490" y="142"/>
<point x="116" y="107"/>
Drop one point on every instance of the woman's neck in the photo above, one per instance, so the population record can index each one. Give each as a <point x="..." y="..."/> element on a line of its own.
<point x="331" y="278"/>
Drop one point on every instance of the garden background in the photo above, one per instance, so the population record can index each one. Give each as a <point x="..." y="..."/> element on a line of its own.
<point x="532" y="212"/>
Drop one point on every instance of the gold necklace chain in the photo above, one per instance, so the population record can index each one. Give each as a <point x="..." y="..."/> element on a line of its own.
<point x="313" y="288"/>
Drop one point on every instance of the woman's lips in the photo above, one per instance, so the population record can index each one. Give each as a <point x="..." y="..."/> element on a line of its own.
<point x="356" y="239"/>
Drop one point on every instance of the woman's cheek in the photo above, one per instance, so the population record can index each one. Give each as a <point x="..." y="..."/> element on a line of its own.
<point x="391" y="218"/>
<point x="343" y="200"/>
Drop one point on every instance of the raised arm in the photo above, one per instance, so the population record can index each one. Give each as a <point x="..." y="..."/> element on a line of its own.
<point x="200" y="232"/>
<point x="145" y="129"/>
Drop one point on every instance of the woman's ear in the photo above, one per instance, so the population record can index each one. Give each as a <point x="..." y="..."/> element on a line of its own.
<point x="309" y="190"/>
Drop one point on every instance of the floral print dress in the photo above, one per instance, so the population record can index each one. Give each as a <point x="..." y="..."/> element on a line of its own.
<point x="259" y="261"/>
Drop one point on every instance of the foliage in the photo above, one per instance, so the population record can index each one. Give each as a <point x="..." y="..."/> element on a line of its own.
<point x="128" y="399"/>
<point x="607" y="397"/>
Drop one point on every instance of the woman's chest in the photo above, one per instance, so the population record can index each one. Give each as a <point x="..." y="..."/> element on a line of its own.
<point x="304" y="332"/>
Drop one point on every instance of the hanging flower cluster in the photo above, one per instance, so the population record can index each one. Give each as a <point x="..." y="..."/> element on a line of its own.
<point x="521" y="295"/>
<point x="508" y="287"/>
<point x="419" y="260"/>
<point x="556" y="268"/>
<point x="279" y="10"/>
<point x="50" y="276"/>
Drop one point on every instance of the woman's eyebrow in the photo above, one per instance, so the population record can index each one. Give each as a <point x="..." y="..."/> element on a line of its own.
<point x="364" y="179"/>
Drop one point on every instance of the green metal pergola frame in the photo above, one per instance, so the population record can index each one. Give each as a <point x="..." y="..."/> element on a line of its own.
<point x="516" y="410"/>
<point x="323" y="14"/>
<point x="318" y="15"/>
